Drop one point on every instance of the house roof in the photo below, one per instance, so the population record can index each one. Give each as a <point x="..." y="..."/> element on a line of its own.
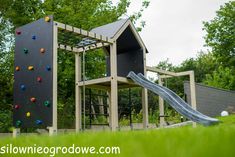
<point x="110" y="29"/>
<point x="125" y="33"/>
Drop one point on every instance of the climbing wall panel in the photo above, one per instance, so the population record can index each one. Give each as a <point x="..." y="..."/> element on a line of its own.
<point x="33" y="76"/>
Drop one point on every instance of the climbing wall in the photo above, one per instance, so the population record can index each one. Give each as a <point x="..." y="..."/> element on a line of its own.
<point x="33" y="76"/>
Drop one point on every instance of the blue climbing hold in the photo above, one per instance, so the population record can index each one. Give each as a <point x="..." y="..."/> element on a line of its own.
<point x="34" y="37"/>
<point x="38" y="122"/>
<point x="22" y="87"/>
<point x="48" y="68"/>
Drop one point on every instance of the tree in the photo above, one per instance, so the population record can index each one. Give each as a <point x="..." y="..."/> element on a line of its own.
<point x="203" y="64"/>
<point x="221" y="34"/>
<point x="79" y="13"/>
<point x="223" y="78"/>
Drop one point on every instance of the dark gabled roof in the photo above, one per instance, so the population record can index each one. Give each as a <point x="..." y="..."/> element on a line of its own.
<point x="129" y="39"/>
<point x="110" y="29"/>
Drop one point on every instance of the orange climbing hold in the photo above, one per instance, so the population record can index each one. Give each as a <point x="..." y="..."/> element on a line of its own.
<point x="30" y="68"/>
<point x="42" y="50"/>
<point x="47" y="19"/>
<point x="17" y="68"/>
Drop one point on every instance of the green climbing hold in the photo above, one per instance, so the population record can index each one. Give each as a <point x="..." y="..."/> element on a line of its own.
<point x="18" y="123"/>
<point x="26" y="50"/>
<point x="47" y="103"/>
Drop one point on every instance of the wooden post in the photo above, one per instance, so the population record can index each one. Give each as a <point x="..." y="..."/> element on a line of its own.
<point x="145" y="107"/>
<point x="55" y="46"/>
<point x="78" y="100"/>
<point x="193" y="92"/>
<point x="52" y="131"/>
<point x="114" y="87"/>
<point x="16" y="132"/>
<point x="109" y="106"/>
<point x="145" y="95"/>
<point x="161" y="105"/>
<point x="101" y="103"/>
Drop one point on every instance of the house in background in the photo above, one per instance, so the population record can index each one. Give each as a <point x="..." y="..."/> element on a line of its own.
<point x="211" y="101"/>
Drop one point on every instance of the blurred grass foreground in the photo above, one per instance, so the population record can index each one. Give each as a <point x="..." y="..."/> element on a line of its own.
<point x="212" y="141"/>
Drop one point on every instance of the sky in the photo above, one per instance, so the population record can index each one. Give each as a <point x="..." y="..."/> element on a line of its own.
<point x="174" y="28"/>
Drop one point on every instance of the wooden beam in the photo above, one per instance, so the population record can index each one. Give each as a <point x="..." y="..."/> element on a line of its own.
<point x="84" y="33"/>
<point x="68" y="48"/>
<point x="99" y="87"/>
<point x="153" y="69"/>
<point x="185" y="73"/>
<point x="80" y="50"/>
<point x="93" y="46"/>
<point x="125" y="80"/>
<point x="94" y="81"/>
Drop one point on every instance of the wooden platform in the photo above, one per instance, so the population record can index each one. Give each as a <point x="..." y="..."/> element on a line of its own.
<point x="105" y="83"/>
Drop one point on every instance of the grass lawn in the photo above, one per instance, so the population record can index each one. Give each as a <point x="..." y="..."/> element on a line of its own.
<point x="213" y="141"/>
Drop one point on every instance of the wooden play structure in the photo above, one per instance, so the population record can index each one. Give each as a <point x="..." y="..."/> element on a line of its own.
<point x="35" y="86"/>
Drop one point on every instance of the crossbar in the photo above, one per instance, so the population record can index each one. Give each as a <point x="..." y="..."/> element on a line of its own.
<point x="84" y="33"/>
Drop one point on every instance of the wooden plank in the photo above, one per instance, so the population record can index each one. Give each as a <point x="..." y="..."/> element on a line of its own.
<point x="94" y="46"/>
<point x="59" y="25"/>
<point x="125" y="80"/>
<point x="185" y="73"/>
<point x="69" y="28"/>
<point x="95" y="81"/>
<point x="166" y="76"/>
<point x="127" y="86"/>
<point x="68" y="48"/>
<point x="153" y="69"/>
<point x="92" y="35"/>
<point x="100" y="87"/>
<point x="80" y="50"/>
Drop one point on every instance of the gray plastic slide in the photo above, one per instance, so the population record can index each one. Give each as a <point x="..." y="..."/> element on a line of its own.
<point x="173" y="99"/>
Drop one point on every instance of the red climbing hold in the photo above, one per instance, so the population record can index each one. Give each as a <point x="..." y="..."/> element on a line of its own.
<point x="39" y="79"/>
<point x="33" y="99"/>
<point x="18" y="32"/>
<point x="16" y="106"/>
